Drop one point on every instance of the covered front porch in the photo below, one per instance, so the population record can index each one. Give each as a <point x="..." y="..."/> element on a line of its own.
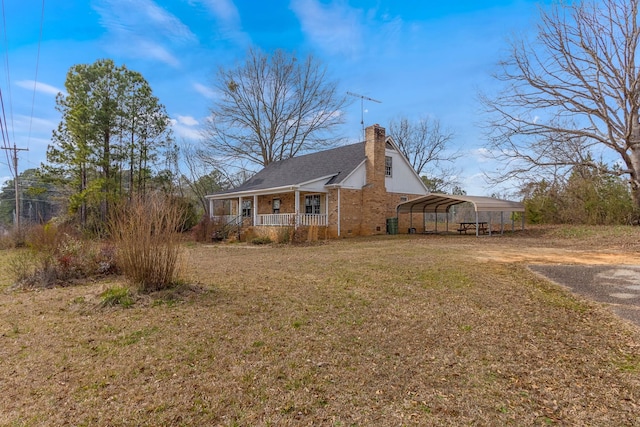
<point x="274" y="209"/>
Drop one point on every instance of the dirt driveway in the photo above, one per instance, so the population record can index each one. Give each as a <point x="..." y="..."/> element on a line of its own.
<point x="610" y="276"/>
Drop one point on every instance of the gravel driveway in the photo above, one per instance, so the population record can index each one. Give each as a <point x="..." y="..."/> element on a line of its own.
<point x="615" y="285"/>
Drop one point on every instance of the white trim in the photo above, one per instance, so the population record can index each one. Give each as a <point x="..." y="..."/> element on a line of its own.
<point x="262" y="192"/>
<point x="350" y="173"/>
<point x="297" y="206"/>
<point x="326" y="205"/>
<point x="406" y="161"/>
<point x="255" y="209"/>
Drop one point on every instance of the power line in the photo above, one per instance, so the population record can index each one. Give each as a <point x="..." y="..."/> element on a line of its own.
<point x="35" y="81"/>
<point x="4" y="131"/>
<point x="6" y="60"/>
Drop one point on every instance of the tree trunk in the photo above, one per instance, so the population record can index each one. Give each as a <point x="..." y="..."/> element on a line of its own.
<point x="106" y="159"/>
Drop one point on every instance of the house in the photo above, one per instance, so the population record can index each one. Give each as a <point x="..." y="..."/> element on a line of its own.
<point x="346" y="191"/>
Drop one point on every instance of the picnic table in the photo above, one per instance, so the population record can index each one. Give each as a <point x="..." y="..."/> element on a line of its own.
<point x="466" y="226"/>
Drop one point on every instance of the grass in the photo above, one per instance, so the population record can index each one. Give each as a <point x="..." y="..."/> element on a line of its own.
<point x="5" y="274"/>
<point x="117" y="296"/>
<point x="381" y="331"/>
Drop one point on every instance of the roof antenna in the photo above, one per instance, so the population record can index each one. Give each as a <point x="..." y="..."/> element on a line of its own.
<point x="362" y="98"/>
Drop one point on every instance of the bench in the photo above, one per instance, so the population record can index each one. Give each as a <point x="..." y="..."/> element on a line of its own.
<point x="471" y="226"/>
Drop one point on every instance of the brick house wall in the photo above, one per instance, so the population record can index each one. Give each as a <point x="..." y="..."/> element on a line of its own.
<point x="363" y="212"/>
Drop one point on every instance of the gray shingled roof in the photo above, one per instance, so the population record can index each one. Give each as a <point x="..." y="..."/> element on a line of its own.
<point x="338" y="163"/>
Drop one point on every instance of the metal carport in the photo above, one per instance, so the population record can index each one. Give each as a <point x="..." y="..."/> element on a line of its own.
<point x="441" y="203"/>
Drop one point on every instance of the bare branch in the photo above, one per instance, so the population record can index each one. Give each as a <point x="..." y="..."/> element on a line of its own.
<point x="425" y="144"/>
<point x="273" y="107"/>
<point x="573" y="89"/>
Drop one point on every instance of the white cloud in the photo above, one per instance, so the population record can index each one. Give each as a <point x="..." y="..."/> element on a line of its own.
<point x="228" y="19"/>
<point x="336" y="27"/>
<point x="482" y="155"/>
<point x="155" y="51"/>
<point x="205" y="91"/>
<point x="127" y="20"/>
<point x="185" y="130"/>
<point x="132" y="16"/>
<point x="475" y="185"/>
<point x="39" y="87"/>
<point x="22" y="123"/>
<point x="187" y="120"/>
<point x="224" y="10"/>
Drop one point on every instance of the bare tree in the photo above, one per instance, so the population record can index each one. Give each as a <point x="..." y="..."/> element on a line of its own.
<point x="426" y="145"/>
<point x="272" y="107"/>
<point x="571" y="93"/>
<point x="199" y="176"/>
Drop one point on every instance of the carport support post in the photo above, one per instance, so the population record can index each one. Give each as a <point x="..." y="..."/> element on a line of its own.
<point x="501" y="222"/>
<point x="490" y="224"/>
<point x="447" y="223"/>
<point x="436" y="227"/>
<point x="477" y="231"/>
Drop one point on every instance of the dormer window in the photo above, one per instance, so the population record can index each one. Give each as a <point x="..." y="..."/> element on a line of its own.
<point x="387" y="166"/>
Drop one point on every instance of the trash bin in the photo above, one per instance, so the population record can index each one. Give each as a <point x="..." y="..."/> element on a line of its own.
<point x="392" y="225"/>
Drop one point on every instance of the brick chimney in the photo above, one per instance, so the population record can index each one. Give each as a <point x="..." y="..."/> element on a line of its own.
<point x="374" y="150"/>
<point x="374" y="192"/>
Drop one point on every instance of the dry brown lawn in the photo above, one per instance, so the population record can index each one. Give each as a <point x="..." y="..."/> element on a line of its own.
<point x="384" y="331"/>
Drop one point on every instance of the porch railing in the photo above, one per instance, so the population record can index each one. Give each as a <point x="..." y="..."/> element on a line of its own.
<point x="276" y="220"/>
<point x="287" y="219"/>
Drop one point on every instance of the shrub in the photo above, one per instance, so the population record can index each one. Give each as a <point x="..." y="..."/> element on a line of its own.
<point x="264" y="240"/>
<point x="147" y="243"/>
<point x="54" y="256"/>
<point x="285" y="234"/>
<point x="12" y="238"/>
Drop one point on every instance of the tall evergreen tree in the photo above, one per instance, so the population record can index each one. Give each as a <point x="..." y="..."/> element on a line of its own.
<point x="112" y="130"/>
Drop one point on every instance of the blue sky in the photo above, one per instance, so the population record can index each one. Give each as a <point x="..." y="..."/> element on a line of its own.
<point x="419" y="57"/>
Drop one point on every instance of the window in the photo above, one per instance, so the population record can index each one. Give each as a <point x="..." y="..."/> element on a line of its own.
<point x="276" y="206"/>
<point x="387" y="166"/>
<point x="312" y="204"/>
<point x="246" y="208"/>
<point x="403" y="199"/>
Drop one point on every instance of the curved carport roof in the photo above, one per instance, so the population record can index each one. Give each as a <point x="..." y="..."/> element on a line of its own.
<point x="440" y="203"/>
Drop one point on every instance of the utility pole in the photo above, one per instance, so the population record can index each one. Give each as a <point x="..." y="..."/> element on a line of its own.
<point x="362" y="98"/>
<point x="15" y="181"/>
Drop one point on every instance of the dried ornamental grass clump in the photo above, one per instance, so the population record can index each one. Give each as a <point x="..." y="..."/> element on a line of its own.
<point x="145" y="233"/>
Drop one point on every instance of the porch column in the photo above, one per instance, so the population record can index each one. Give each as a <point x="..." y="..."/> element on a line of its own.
<point x="326" y="209"/>
<point x="239" y="213"/>
<point x="297" y="210"/>
<point x="338" y="211"/>
<point x="210" y="208"/>
<point x="255" y="210"/>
